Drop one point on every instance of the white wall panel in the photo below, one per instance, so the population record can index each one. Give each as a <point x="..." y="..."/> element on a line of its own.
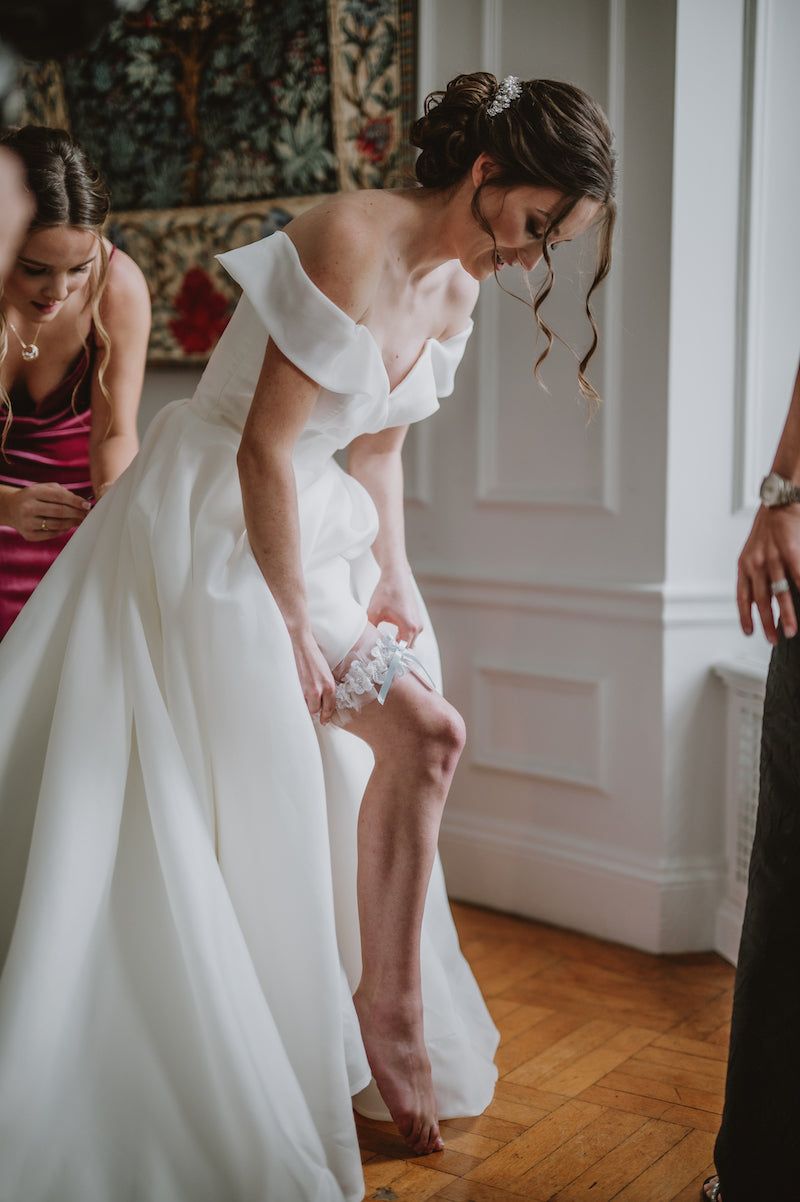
<point x="545" y="725"/>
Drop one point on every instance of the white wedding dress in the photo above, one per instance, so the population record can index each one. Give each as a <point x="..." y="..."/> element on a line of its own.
<point x="178" y="837"/>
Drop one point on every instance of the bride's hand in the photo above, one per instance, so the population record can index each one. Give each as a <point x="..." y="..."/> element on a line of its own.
<point x="395" y="601"/>
<point x="316" y="678"/>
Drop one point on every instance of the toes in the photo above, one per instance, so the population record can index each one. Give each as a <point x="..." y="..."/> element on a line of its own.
<point x="422" y="1137"/>
<point x="430" y="1141"/>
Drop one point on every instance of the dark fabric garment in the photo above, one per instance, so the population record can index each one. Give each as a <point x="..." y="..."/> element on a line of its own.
<point x="756" y="1154"/>
<point x="46" y="442"/>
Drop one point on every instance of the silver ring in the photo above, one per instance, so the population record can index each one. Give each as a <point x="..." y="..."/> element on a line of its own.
<point x="779" y="586"/>
<point x="44" y="524"/>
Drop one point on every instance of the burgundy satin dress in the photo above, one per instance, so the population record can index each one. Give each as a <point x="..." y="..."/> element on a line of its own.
<point x="46" y="442"/>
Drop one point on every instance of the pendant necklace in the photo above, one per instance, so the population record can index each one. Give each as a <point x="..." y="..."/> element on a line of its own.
<point x="30" y="350"/>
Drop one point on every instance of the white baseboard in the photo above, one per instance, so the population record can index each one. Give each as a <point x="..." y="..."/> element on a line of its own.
<point x="657" y="906"/>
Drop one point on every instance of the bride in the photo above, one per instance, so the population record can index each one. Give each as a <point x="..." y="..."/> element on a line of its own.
<point x="225" y="752"/>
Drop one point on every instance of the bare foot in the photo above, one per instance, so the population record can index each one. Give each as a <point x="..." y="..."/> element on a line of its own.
<point x="399" y="1062"/>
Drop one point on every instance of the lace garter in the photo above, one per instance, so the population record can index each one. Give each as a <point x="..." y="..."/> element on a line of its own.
<point x="370" y="676"/>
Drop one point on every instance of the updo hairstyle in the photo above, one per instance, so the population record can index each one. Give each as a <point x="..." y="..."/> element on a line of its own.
<point x="553" y="135"/>
<point x="68" y="191"/>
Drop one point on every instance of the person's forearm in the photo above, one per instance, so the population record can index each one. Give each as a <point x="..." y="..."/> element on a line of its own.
<point x="269" y="498"/>
<point x="381" y="474"/>
<point x="787" y="457"/>
<point x="109" y="459"/>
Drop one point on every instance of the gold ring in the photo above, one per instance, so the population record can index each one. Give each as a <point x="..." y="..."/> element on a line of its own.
<point x="44" y="524"/>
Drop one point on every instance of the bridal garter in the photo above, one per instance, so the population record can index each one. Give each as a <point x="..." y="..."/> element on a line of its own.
<point x="370" y="674"/>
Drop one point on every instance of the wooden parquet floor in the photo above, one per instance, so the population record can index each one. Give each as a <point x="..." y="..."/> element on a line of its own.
<point x="612" y="1070"/>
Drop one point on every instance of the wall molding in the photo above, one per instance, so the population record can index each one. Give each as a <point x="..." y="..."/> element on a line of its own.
<point x="659" y="905"/>
<point x="747" y="468"/>
<point x="665" y="605"/>
<point x="427" y="43"/>
<point x="583" y="764"/>
<point x="491" y="34"/>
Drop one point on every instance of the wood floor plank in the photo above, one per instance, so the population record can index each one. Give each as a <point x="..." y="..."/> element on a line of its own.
<point x="500" y="1008"/>
<point x="506" y="1168"/>
<point x="572" y="1158"/>
<point x="519" y="1021"/>
<point x="603" y="1180"/>
<point x="469" y="1143"/>
<point x="502" y="971"/>
<point x="616" y="1099"/>
<point x="665" y="1091"/>
<point x="690" y="1116"/>
<point x="474" y="1191"/>
<point x="579" y="1038"/>
<point x="457" y="1164"/>
<point x="540" y="1037"/>
<point x="485" y="1124"/>
<point x="382" y="1142"/>
<point x="708" y="1018"/>
<point x="379" y="1174"/>
<point x="412" y="1182"/>
<point x="527" y="1096"/>
<point x="677" y="1170"/>
<point x="560" y="995"/>
<point x="691" y="1192"/>
<point x="693" y="1047"/>
<point x="593" y="1066"/>
<point x="516" y="1112"/>
<point x="707" y="1066"/>
<point x="677" y="1075"/>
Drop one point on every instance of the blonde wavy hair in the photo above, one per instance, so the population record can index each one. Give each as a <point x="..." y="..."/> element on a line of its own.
<point x="68" y="191"/>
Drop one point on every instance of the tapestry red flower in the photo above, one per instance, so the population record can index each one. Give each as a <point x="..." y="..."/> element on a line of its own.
<point x="203" y="313"/>
<point x="375" y="138"/>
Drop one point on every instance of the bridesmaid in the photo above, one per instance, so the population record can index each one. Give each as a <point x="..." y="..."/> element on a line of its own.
<point x="74" y="324"/>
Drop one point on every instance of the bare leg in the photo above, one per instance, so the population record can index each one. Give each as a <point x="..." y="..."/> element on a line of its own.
<point x="416" y="738"/>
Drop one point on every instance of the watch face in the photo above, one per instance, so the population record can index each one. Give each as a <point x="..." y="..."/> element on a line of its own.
<point x="771" y="489"/>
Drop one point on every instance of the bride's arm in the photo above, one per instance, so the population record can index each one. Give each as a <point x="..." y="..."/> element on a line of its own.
<point x="375" y="461"/>
<point x="282" y="403"/>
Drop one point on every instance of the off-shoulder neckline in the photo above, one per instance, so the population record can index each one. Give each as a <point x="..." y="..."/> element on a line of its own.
<point x="441" y="342"/>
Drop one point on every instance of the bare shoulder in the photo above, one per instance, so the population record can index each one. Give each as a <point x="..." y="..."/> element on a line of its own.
<point x="125" y="288"/>
<point x="460" y="296"/>
<point x="341" y="244"/>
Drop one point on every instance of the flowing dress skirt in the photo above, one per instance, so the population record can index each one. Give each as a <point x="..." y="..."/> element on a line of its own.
<point x="175" y="1013"/>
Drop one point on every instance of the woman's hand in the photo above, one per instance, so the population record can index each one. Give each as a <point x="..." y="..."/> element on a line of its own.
<point x="395" y="601"/>
<point x="42" y="511"/>
<point x="771" y="554"/>
<point x="316" y="678"/>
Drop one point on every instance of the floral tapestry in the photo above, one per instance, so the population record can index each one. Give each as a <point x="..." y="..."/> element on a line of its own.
<point x="214" y="122"/>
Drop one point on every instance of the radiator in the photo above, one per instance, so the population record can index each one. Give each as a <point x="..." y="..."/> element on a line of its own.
<point x="744" y="682"/>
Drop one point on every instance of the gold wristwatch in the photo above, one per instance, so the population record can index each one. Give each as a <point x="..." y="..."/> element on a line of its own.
<point x="777" y="491"/>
